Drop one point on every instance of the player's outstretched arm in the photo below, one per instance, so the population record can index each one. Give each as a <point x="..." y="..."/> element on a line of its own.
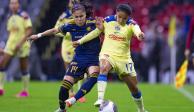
<point x="90" y="36"/>
<point x="49" y="32"/>
<point x="138" y="33"/>
<point x="95" y="33"/>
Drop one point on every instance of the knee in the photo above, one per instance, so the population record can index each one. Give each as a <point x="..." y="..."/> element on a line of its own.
<point x="104" y="69"/>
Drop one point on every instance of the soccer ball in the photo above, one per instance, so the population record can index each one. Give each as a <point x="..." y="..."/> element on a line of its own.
<point x="108" y="106"/>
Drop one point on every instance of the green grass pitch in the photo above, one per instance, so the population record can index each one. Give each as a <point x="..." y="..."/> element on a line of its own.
<point x="43" y="98"/>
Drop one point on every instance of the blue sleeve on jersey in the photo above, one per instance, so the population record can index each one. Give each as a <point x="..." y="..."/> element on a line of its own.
<point x="114" y="18"/>
<point x="65" y="28"/>
<point x="131" y="21"/>
<point x="67" y="14"/>
<point x="110" y="18"/>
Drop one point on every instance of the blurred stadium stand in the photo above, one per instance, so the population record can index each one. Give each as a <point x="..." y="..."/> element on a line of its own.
<point x="152" y="57"/>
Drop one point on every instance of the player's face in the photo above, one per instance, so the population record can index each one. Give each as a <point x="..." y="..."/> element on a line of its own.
<point x="122" y="17"/>
<point x="14" y="5"/>
<point x="79" y="17"/>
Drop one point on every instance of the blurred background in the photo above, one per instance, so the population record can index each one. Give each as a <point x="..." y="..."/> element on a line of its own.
<point x="152" y="58"/>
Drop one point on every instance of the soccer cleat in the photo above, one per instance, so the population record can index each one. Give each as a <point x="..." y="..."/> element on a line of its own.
<point x="1" y="92"/>
<point x="98" y="102"/>
<point x="60" y="110"/>
<point x="22" y="94"/>
<point x="82" y="100"/>
<point x="69" y="102"/>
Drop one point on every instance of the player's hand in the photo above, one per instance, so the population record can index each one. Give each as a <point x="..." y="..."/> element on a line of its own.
<point x="141" y="36"/>
<point x="99" y="23"/>
<point x="76" y="43"/>
<point x="187" y="53"/>
<point x="33" y="37"/>
<point x="18" y="46"/>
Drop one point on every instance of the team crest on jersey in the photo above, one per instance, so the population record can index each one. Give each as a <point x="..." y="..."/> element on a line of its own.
<point x="117" y="28"/>
<point x="88" y="28"/>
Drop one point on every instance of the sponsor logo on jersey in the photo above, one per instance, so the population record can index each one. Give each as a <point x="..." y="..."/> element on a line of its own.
<point x="88" y="28"/>
<point x="116" y="37"/>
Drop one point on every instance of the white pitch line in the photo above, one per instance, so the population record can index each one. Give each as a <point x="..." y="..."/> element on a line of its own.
<point x="186" y="94"/>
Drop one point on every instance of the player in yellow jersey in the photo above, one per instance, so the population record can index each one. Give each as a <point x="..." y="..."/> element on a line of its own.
<point x="19" y="27"/>
<point x="115" y="52"/>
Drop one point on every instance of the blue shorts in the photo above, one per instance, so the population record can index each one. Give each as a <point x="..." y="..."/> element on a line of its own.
<point x="77" y="69"/>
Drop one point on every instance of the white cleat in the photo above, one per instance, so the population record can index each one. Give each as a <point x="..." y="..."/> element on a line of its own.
<point x="60" y="110"/>
<point x="98" y="102"/>
<point x="69" y="102"/>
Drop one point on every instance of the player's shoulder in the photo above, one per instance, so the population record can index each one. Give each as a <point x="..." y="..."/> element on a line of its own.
<point x="23" y="14"/>
<point x="131" y="21"/>
<point x="70" y="22"/>
<point x="110" y="18"/>
<point x="65" y="15"/>
<point x="90" y="21"/>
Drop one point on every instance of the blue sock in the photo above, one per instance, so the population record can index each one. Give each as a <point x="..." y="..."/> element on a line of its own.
<point x="102" y="77"/>
<point x="137" y="95"/>
<point x="86" y="87"/>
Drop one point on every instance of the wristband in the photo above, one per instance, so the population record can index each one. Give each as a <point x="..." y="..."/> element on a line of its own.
<point x="39" y="35"/>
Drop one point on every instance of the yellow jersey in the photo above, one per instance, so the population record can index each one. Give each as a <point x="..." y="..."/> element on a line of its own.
<point x="67" y="50"/>
<point x="117" y="37"/>
<point x="16" y="26"/>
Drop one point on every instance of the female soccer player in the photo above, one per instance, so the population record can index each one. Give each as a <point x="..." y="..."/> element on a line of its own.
<point x="67" y="50"/>
<point x="115" y="53"/>
<point x="85" y="59"/>
<point x="19" y="27"/>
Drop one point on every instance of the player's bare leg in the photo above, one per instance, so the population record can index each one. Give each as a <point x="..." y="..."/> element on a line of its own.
<point x="87" y="86"/>
<point x="105" y="67"/>
<point x="4" y="61"/>
<point x="131" y="82"/>
<point x="25" y="78"/>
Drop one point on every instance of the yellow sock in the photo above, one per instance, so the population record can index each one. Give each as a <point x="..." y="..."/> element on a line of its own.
<point x="2" y="76"/>
<point x="26" y="80"/>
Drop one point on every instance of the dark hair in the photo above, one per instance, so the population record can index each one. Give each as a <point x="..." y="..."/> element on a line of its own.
<point x="88" y="7"/>
<point x="78" y="7"/>
<point x="125" y="8"/>
<point x="75" y="1"/>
